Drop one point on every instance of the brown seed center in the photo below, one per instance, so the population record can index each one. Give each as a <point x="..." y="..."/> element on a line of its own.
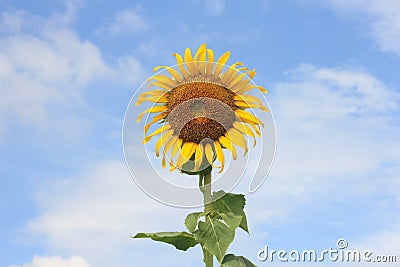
<point x="200" y="110"/>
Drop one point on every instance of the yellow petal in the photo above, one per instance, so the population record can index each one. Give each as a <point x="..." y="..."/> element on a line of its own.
<point x="172" y="167"/>
<point x="170" y="143"/>
<point x="158" y="131"/>
<point x="151" y="110"/>
<point x="161" y="85"/>
<point x="239" y="85"/>
<point x="202" y="64"/>
<point x="203" y="55"/>
<point x="224" y="58"/>
<point x="179" y="61"/>
<point x="202" y="48"/>
<point x="154" y="120"/>
<point x="185" y="154"/>
<point x="250" y="87"/>
<point x="174" y="141"/>
<point x="262" y="89"/>
<point x="238" y="139"/>
<point x="244" y="129"/>
<point x="244" y="69"/>
<point x="248" y="99"/>
<point x="247" y="117"/>
<point x="255" y="127"/>
<point x="237" y="79"/>
<point x="171" y="71"/>
<point x="220" y="154"/>
<point x="164" y="79"/>
<point x="179" y="160"/>
<point x="189" y="62"/>
<point x="229" y="74"/>
<point x="210" y="63"/>
<point x="154" y="99"/>
<point x="198" y="157"/>
<point x="188" y="149"/>
<point x="220" y="63"/>
<point x="226" y="142"/>
<point x="163" y="162"/>
<point x="243" y="104"/>
<point x="175" y="149"/>
<point x="152" y="93"/>
<point x="252" y="73"/>
<point x="163" y="139"/>
<point x="245" y="89"/>
<point x="188" y="55"/>
<point x="209" y="152"/>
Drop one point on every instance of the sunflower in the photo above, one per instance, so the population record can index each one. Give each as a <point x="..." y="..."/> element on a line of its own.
<point x="201" y="109"/>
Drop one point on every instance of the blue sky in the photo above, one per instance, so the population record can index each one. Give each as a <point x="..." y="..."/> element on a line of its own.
<point x="69" y="68"/>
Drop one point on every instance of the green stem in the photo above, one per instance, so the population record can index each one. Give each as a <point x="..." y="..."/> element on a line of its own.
<point x="208" y="207"/>
<point x="201" y="182"/>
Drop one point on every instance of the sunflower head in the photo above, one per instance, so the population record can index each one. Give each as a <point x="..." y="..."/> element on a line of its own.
<point x="202" y="110"/>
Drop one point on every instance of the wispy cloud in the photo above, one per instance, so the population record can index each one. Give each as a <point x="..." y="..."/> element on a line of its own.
<point x="344" y="91"/>
<point x="383" y="243"/>
<point x="328" y="122"/>
<point x="94" y="212"/>
<point x="215" y="7"/>
<point x="328" y="104"/>
<point x="38" y="261"/>
<point x="382" y="19"/>
<point x="45" y="66"/>
<point x="127" y="21"/>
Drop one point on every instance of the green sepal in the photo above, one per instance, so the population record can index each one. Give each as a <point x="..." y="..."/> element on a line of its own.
<point x="204" y="168"/>
<point x="190" y="166"/>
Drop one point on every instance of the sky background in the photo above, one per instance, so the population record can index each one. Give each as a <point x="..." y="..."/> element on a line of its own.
<point x="69" y="68"/>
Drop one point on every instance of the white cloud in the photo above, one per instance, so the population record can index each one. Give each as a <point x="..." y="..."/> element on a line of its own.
<point x="127" y="21"/>
<point x="334" y="111"/>
<point x="15" y="22"/>
<point x="44" y="66"/>
<point x="40" y="73"/>
<point x="336" y="93"/>
<point x="335" y="126"/>
<point x="382" y="19"/>
<point x="215" y="7"/>
<point x="74" y="261"/>
<point x="94" y="212"/>
<point x="129" y="70"/>
<point x="59" y="58"/>
<point x="382" y="243"/>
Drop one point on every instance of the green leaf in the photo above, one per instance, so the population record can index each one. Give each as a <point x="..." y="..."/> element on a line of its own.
<point x="231" y="219"/>
<point x="181" y="240"/>
<point x="215" y="236"/>
<point x="191" y="221"/>
<point x="231" y="260"/>
<point x="234" y="203"/>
